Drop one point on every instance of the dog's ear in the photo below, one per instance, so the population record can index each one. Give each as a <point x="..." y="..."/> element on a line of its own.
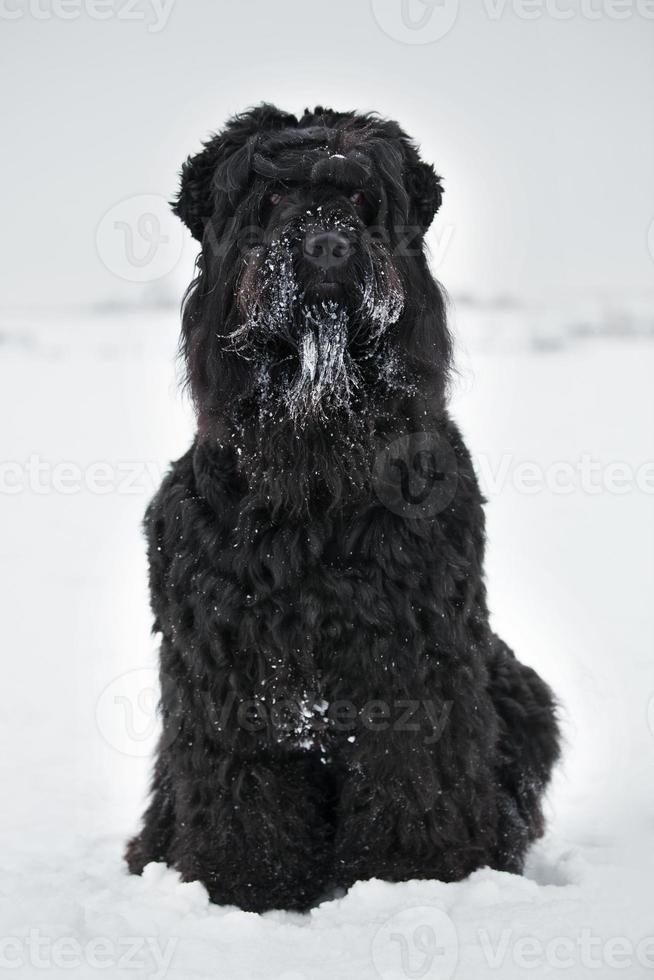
<point x="195" y="203"/>
<point x="425" y="193"/>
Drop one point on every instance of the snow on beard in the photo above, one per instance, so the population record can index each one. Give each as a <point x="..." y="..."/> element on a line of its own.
<point x="321" y="372"/>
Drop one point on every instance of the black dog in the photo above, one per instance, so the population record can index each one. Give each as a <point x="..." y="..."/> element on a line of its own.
<point x="335" y="706"/>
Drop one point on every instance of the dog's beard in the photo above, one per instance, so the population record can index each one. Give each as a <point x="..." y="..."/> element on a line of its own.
<point x="326" y="372"/>
<point x="309" y="356"/>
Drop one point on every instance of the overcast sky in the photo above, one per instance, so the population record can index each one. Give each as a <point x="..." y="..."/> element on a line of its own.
<point x="542" y="125"/>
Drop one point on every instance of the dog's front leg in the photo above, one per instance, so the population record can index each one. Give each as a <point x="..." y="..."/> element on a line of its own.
<point x="246" y="812"/>
<point x="253" y="831"/>
<point x="251" y="808"/>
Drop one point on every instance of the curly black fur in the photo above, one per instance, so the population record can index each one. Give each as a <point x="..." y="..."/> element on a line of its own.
<point x="334" y="703"/>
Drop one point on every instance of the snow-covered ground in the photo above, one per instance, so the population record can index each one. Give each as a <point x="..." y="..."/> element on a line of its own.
<point x="563" y="439"/>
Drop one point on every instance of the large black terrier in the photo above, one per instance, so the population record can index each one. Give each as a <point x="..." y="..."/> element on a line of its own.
<point x="335" y="705"/>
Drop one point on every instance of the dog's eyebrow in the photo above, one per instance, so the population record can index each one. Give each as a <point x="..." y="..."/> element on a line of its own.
<point x="316" y="165"/>
<point x="288" y="154"/>
<point x="288" y="166"/>
<point x="286" y="139"/>
<point x="339" y="170"/>
<point x="315" y="153"/>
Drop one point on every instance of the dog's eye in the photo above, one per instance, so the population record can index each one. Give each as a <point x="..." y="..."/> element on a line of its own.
<point x="358" y="198"/>
<point x="275" y="198"/>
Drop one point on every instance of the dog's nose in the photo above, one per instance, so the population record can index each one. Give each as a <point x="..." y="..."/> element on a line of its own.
<point x="326" y="248"/>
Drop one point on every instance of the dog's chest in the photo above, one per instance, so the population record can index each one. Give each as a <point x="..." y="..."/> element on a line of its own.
<point x="323" y="598"/>
<point x="338" y="629"/>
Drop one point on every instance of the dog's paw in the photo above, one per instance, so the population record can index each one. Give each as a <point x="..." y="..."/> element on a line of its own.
<point x="134" y="856"/>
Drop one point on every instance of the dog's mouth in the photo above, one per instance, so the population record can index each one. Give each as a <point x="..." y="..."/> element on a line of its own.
<point x="325" y="289"/>
<point x="330" y="287"/>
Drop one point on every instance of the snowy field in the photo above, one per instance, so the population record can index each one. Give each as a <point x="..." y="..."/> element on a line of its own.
<point x="562" y="434"/>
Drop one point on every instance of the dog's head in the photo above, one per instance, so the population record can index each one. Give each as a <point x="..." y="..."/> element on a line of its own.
<point x="313" y="299"/>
